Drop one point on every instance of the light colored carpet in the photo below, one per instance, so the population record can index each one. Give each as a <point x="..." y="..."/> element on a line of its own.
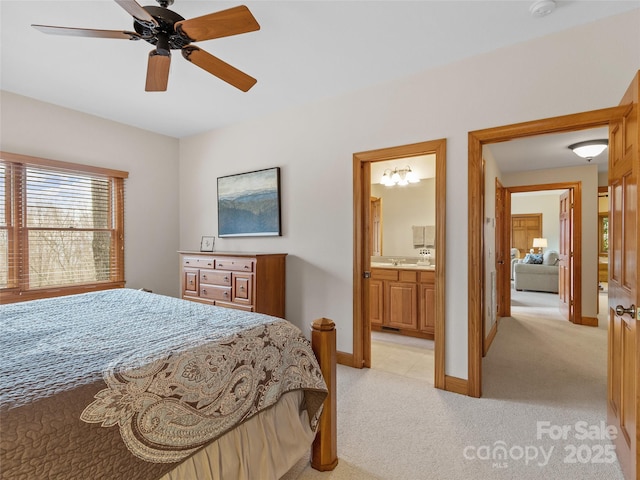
<point x="539" y="369"/>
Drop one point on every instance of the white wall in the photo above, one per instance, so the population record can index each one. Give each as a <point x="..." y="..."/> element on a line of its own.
<point x="548" y="204"/>
<point x="588" y="176"/>
<point x="314" y="146"/>
<point x="30" y="127"/>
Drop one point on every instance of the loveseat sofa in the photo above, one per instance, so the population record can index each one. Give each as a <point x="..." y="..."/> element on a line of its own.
<point x="537" y="272"/>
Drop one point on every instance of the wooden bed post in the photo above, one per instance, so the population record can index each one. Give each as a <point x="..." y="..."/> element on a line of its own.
<point x="324" y="453"/>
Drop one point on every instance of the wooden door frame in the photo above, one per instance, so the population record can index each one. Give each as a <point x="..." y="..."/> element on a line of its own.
<point x="476" y="139"/>
<point x="362" y="256"/>
<point x="576" y="273"/>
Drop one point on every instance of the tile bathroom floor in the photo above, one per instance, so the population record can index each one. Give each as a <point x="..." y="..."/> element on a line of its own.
<point x="402" y="355"/>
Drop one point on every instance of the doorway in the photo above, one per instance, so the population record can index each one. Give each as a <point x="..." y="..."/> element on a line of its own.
<point x="362" y="163"/>
<point x="565" y="241"/>
<point x="477" y="139"/>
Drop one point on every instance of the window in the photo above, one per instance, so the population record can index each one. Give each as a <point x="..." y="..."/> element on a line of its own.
<point x="61" y="228"/>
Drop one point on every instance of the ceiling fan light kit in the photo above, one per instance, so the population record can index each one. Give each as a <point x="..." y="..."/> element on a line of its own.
<point x="166" y="30"/>
<point x="542" y="8"/>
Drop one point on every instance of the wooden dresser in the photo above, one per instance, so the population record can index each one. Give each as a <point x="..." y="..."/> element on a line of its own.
<point x="247" y="281"/>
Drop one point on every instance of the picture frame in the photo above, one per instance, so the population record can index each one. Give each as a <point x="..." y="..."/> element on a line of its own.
<point x="207" y="243"/>
<point x="603" y="234"/>
<point x="249" y="204"/>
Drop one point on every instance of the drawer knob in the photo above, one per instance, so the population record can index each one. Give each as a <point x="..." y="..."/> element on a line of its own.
<point x="187" y="262"/>
<point x="226" y="294"/>
<point x="226" y="279"/>
<point x="241" y="287"/>
<point x="246" y="267"/>
<point x="204" y="276"/>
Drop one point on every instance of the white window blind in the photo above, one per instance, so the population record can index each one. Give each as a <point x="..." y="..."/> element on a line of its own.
<point x="62" y="227"/>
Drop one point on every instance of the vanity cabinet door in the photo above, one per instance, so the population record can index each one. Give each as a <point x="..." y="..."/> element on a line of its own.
<point x="402" y="308"/>
<point x="376" y="299"/>
<point x="427" y="308"/>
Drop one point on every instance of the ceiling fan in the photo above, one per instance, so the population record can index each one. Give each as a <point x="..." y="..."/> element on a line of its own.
<point x="169" y="31"/>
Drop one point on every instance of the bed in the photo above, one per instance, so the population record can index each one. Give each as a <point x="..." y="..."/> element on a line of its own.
<point x="129" y="384"/>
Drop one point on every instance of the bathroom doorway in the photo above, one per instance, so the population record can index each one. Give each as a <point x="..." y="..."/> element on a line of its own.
<point x="363" y="163"/>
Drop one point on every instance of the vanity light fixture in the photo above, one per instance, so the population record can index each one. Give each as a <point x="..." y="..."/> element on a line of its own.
<point x="589" y="149"/>
<point x="399" y="176"/>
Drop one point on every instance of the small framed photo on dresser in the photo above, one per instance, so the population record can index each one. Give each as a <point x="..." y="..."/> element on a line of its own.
<point x="207" y="243"/>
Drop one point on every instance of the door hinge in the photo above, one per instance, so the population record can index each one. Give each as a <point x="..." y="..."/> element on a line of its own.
<point x="366" y="275"/>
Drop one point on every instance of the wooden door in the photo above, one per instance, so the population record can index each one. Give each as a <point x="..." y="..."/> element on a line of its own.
<point x="524" y="228"/>
<point x="566" y="254"/>
<point x="503" y="257"/>
<point x="622" y="394"/>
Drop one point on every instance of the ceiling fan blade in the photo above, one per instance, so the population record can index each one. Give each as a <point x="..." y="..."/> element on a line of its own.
<point x="157" y="72"/>
<point x="136" y="11"/>
<point x="87" y="32"/>
<point x="217" y="67"/>
<point x="233" y="21"/>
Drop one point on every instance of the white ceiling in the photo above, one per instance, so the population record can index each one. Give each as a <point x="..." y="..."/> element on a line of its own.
<point x="304" y="52"/>
<point x="548" y="151"/>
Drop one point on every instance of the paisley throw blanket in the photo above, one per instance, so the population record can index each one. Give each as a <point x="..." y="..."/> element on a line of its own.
<point x="125" y="384"/>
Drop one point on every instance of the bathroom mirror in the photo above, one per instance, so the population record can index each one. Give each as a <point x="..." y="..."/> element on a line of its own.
<point x="396" y="209"/>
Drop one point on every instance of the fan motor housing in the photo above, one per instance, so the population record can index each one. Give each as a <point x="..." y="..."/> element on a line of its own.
<point x="166" y="20"/>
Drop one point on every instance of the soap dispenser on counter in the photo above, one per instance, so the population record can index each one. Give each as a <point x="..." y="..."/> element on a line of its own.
<point x="425" y="257"/>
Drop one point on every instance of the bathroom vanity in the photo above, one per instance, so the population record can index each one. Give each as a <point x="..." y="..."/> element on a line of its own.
<point x="403" y="299"/>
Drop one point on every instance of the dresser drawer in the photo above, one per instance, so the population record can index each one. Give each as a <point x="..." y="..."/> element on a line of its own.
<point x="243" y="288"/>
<point x="235" y="264"/>
<point x="246" y="308"/>
<point x="198" y="262"/>
<point x="190" y="281"/>
<point x="215" y="292"/>
<point x="213" y="277"/>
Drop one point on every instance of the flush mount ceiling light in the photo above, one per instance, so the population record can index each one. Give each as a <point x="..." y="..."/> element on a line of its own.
<point x="542" y="8"/>
<point x="399" y="176"/>
<point x="589" y="149"/>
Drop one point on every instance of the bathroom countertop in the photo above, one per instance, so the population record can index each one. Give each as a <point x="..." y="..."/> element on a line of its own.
<point x="410" y="266"/>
